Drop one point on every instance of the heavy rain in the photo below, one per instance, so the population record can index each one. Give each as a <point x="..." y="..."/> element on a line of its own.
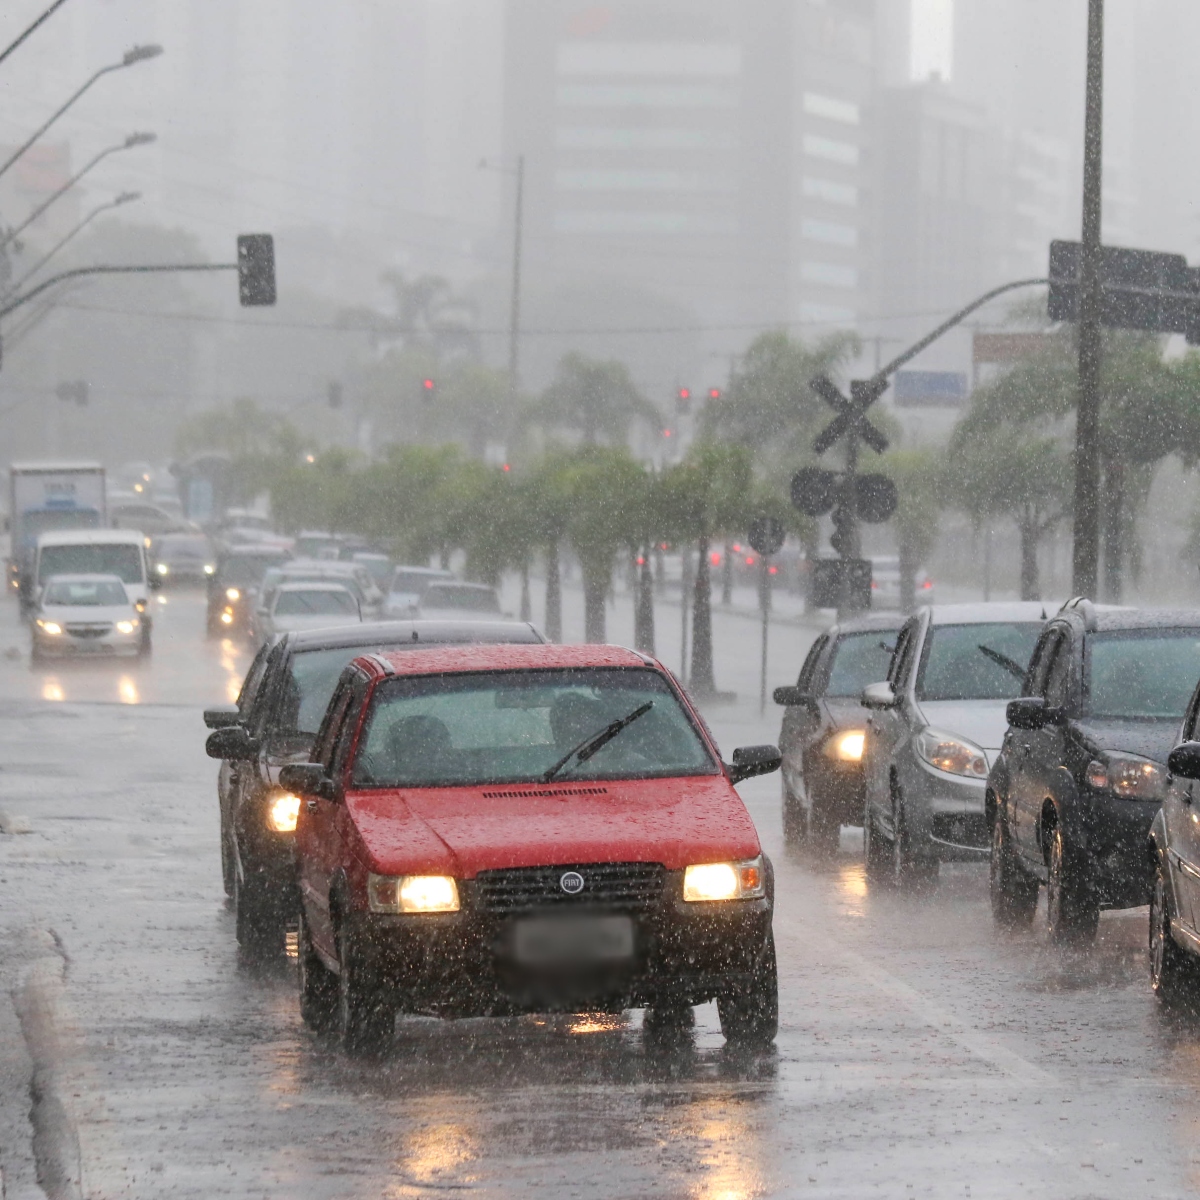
<point x="601" y="599"/>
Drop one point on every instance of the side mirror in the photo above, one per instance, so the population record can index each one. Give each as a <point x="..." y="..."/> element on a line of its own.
<point x="749" y="761"/>
<point x="306" y="779"/>
<point x="1184" y="760"/>
<point x="878" y="696"/>
<point x="794" y="697"/>
<point x="1029" y="712"/>
<point x="222" y="716"/>
<point x="154" y="583"/>
<point x="232" y="743"/>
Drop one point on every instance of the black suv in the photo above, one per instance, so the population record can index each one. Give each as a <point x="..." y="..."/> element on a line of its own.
<point x="282" y="702"/>
<point x="234" y="585"/>
<point x="1082" y="772"/>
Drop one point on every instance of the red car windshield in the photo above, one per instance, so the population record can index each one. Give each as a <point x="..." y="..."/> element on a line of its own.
<point x="514" y="726"/>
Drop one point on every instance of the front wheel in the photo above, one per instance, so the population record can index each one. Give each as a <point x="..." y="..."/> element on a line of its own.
<point x="875" y="851"/>
<point x="1012" y="893"/>
<point x="318" y="985"/>
<point x="910" y="870"/>
<point x="365" y="1016"/>
<point x="1072" y="908"/>
<point x="795" y="822"/>
<point x="1172" y="973"/>
<point x="750" y="1014"/>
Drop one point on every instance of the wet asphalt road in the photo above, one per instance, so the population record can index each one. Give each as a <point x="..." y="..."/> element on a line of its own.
<point x="920" y="1054"/>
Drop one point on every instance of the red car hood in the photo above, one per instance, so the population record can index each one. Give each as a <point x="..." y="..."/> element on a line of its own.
<point x="461" y="831"/>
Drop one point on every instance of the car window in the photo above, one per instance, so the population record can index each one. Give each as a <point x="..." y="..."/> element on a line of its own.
<point x="859" y="659"/>
<point x="808" y="670"/>
<point x="122" y="559"/>
<point x="1140" y="673"/>
<point x="459" y="598"/>
<point x="99" y="593"/>
<point x="1057" y="688"/>
<point x="977" y="662"/>
<point x="331" y="725"/>
<point x="315" y="604"/>
<point x="512" y="726"/>
<point x="253" y="680"/>
<point x="902" y="655"/>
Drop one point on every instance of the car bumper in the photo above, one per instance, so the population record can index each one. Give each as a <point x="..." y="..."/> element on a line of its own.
<point x="832" y="790"/>
<point x="66" y="645"/>
<point x="945" y="814"/>
<point x="464" y="964"/>
<point x="1113" y="835"/>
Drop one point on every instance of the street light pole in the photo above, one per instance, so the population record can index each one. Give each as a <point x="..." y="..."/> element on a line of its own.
<point x="1087" y="421"/>
<point x="32" y="28"/>
<point x="134" y="139"/>
<point x="136" y="55"/>
<point x="514" y="329"/>
<point x="123" y="198"/>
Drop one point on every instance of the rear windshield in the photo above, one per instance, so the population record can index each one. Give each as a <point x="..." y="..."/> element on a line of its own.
<point x="122" y="560"/>
<point x="106" y="593"/>
<point x="977" y="662"/>
<point x="319" y="604"/>
<point x="411" y="581"/>
<point x="1141" y="673"/>
<point x="860" y="659"/>
<point x="182" y="546"/>
<point x="512" y="726"/>
<point x="248" y="568"/>
<point x="466" y="599"/>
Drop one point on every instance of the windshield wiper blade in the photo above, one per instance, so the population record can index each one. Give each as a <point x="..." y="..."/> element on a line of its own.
<point x="1009" y="664"/>
<point x="595" y="742"/>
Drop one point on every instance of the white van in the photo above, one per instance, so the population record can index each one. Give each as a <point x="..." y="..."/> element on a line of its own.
<point x="119" y="552"/>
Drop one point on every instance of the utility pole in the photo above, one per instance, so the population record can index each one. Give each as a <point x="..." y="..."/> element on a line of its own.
<point x="1087" y="420"/>
<point x="514" y="329"/>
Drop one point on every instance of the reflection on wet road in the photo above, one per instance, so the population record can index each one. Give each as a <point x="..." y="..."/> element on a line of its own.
<point x="920" y="1053"/>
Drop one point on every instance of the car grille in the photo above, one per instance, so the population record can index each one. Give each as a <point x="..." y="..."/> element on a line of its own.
<point x="88" y="631"/>
<point x="628" y="887"/>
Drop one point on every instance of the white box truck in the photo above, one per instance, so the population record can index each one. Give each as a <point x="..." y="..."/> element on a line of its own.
<point x="45" y="496"/>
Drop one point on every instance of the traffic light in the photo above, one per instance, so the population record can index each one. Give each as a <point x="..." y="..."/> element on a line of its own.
<point x="714" y="393"/>
<point x="683" y="400"/>
<point x="842" y="538"/>
<point x="428" y="388"/>
<point x="256" y="269"/>
<point x="75" y="392"/>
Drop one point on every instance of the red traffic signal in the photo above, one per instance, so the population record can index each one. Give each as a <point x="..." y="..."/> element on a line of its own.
<point x="429" y="388"/>
<point x="683" y="400"/>
<point x="714" y="393"/>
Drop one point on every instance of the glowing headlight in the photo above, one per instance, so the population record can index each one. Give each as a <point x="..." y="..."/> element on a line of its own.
<point x="724" y="881"/>
<point x="283" y="812"/>
<point x="952" y="754"/>
<point x="227" y="617"/>
<point x="50" y="627"/>
<point x="147" y="542"/>
<point x="210" y="569"/>
<point x="126" y="626"/>
<point x="163" y="569"/>
<point x="412" y="894"/>
<point x="1129" y="777"/>
<point x="848" y="746"/>
<point x="232" y="594"/>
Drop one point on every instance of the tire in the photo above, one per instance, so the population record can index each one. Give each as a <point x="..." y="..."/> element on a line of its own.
<point x="1072" y="908"/>
<point x="795" y="824"/>
<point x="258" y="922"/>
<point x="365" y="1017"/>
<point x="1173" y="974"/>
<point x="750" y="1015"/>
<point x="1013" y="894"/>
<point x="318" y="985"/>
<point x="909" y="870"/>
<point x="875" y="851"/>
<point x="228" y="870"/>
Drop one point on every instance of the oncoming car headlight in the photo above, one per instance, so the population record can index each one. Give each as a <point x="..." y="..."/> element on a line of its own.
<point x="210" y="569"/>
<point x="848" y="745"/>
<point x="1128" y="777"/>
<point x="51" y="627"/>
<point x="412" y="894"/>
<point x="283" y="812"/>
<point x="163" y="569"/>
<point x="724" y="881"/>
<point x="126" y="626"/>
<point x="952" y="754"/>
<point x="232" y="594"/>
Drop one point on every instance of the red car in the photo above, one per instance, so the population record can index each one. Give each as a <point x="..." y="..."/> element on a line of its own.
<point x="501" y="829"/>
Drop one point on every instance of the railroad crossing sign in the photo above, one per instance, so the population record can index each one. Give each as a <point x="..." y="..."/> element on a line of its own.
<point x="816" y="492"/>
<point x="767" y="535"/>
<point x="852" y="413"/>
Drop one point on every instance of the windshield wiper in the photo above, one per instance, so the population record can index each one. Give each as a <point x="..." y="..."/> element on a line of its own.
<point x="595" y="742"/>
<point x="1009" y="664"/>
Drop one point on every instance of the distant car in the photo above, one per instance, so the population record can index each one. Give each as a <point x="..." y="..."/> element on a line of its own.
<point x="442" y="601"/>
<point x="1074" y="795"/>
<point x="353" y="576"/>
<point x="140" y="514"/>
<point x="309" y="605"/>
<point x="408" y="586"/>
<point x="233" y="588"/>
<point x="86" y="616"/>
<point x="824" y="729"/>
<point x="182" y="558"/>
<point x="933" y="729"/>
<point x="499" y="829"/>
<point x="885" y="584"/>
<point x="311" y="543"/>
<point x="282" y="701"/>
<point x="379" y="565"/>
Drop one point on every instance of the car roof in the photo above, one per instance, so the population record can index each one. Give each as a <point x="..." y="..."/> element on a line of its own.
<point x="459" y="586"/>
<point x="869" y="623"/>
<point x="991" y="610"/>
<point x="450" y="660"/>
<point x="1144" y="618"/>
<point x="91" y="537"/>
<point x="85" y="579"/>
<point x="257" y="550"/>
<point x="416" y="634"/>
<point x="315" y="585"/>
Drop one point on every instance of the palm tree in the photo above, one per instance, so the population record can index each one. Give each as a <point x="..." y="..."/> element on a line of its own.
<point x="426" y="315"/>
<point x="595" y="399"/>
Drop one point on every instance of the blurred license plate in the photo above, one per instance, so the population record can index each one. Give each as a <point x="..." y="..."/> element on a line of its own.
<point x="547" y="941"/>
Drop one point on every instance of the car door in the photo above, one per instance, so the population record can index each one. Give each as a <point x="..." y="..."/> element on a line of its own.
<point x="798" y="724"/>
<point x="1182" y="817"/>
<point x="1041" y="752"/>
<point x="319" y="827"/>
<point x="886" y="727"/>
<point x="229" y="777"/>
